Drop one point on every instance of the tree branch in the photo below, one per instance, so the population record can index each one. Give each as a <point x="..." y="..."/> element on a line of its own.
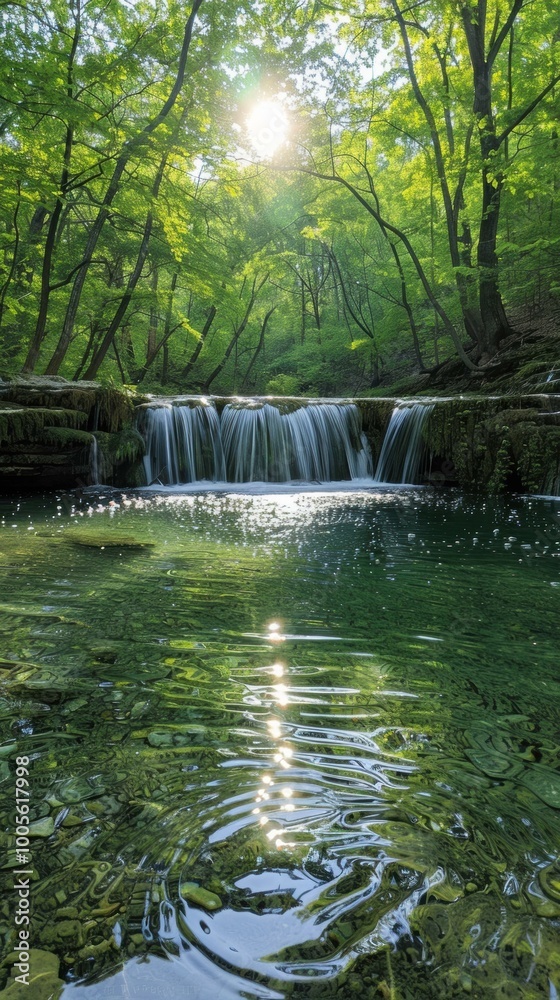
<point x="503" y="33"/>
<point x="527" y="111"/>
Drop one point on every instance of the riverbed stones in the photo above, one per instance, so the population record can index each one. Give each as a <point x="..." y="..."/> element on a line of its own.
<point x="44" y="983"/>
<point x="197" y="894"/>
<point x="106" y="541"/>
<point x="42" y="827"/>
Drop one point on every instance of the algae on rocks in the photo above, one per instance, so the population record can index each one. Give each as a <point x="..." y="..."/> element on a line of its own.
<point x="494" y="443"/>
<point x="375" y="414"/>
<point x="50" y="429"/>
<point x="109" y="407"/>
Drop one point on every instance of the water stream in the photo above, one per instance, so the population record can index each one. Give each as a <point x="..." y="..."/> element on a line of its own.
<point x="402" y="450"/>
<point x="254" y="442"/>
<point x="285" y="745"/>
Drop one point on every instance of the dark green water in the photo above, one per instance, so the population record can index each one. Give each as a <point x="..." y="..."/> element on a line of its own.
<point x="334" y="714"/>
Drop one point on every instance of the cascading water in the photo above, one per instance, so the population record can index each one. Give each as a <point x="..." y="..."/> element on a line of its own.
<point x="94" y="462"/>
<point x="316" y="442"/>
<point x="189" y="442"/>
<point x="402" y="449"/>
<point x="183" y="444"/>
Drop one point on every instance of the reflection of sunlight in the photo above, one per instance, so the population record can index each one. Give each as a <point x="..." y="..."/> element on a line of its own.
<point x="275" y="728"/>
<point x="274" y="632"/>
<point x="281" y="694"/>
<point x="282" y="755"/>
<point x="281" y="758"/>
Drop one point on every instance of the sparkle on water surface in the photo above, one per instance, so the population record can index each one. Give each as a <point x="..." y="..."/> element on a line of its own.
<point x="292" y="744"/>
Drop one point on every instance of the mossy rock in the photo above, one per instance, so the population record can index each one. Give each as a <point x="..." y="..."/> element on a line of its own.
<point x="108" y="541"/>
<point x="496" y="442"/>
<point x="113" y="407"/>
<point x="66" y="437"/>
<point x="127" y="445"/>
<point x="43" y="982"/>
<point x="195" y="893"/>
<point x="26" y="423"/>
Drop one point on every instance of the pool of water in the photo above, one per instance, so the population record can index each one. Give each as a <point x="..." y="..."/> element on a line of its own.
<point x="284" y="745"/>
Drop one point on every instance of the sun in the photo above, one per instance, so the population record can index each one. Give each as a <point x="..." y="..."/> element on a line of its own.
<point x="267" y="126"/>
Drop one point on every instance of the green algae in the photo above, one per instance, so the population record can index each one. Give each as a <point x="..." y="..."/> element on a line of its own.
<point x="26" y="424"/>
<point x="107" y="541"/>
<point x="43" y="983"/>
<point x="492" y="444"/>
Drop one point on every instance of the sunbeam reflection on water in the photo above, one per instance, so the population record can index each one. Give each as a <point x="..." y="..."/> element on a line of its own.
<point x="287" y="751"/>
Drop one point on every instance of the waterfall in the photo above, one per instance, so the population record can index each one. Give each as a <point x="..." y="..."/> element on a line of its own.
<point x="94" y="462"/>
<point x="254" y="442"/>
<point x="402" y="449"/>
<point x="183" y="444"/>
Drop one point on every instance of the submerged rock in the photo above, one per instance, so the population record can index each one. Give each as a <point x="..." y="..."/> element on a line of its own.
<point x="160" y="739"/>
<point x="42" y="827"/>
<point x="44" y="983"/>
<point x="549" y="881"/>
<point x="202" y="897"/>
<point x="108" y="541"/>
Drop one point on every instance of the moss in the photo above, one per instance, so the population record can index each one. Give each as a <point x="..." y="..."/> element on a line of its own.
<point x="121" y="453"/>
<point x="66" y="437"/>
<point x="40" y="458"/>
<point x="376" y="414"/>
<point x="536" y="451"/>
<point x="106" y="408"/>
<point x="28" y="423"/>
<point x="126" y="446"/>
<point x="491" y="441"/>
<point x="108" y="541"/>
<point x="502" y="464"/>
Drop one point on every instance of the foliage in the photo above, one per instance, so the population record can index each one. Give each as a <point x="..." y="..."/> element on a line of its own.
<point x="283" y="385"/>
<point x="149" y="237"/>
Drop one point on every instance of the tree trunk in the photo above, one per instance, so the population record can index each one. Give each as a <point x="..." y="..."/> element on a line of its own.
<point x="128" y="150"/>
<point x="93" y="331"/>
<point x="151" y="346"/>
<point x="259" y="346"/>
<point x="101" y="352"/>
<point x="494" y="319"/>
<point x="13" y="264"/>
<point x="41" y="325"/>
<point x="200" y="344"/>
<point x="496" y="323"/>
<point x="236" y="333"/>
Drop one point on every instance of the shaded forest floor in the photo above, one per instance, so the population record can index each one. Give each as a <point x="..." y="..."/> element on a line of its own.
<point x="528" y="361"/>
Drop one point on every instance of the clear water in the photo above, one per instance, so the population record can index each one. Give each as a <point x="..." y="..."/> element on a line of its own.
<point x="336" y="714"/>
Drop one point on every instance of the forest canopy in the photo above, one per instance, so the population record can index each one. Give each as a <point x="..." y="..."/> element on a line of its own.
<point x="285" y="197"/>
